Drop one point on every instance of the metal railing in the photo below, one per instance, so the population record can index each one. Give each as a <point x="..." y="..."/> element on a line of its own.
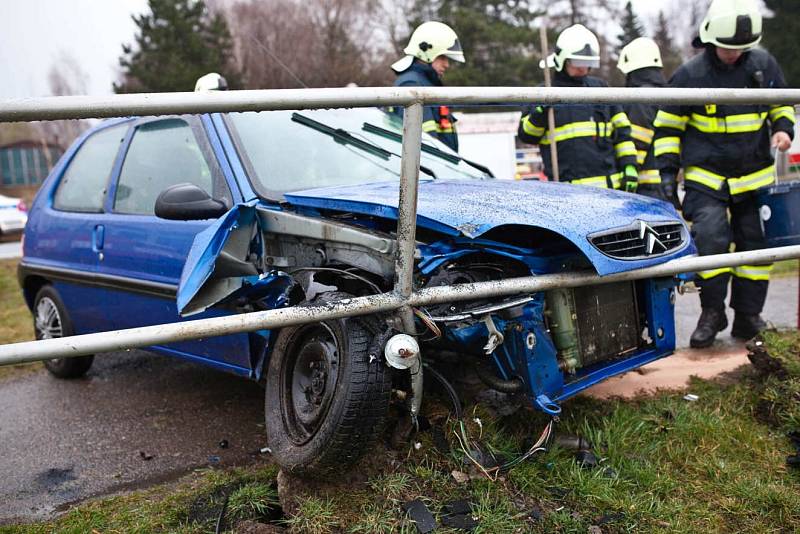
<point x="404" y="296"/>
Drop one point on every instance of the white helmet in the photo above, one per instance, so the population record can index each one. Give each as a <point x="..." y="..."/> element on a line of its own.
<point x="734" y="24"/>
<point x="577" y="44"/>
<point x="639" y="54"/>
<point x="429" y="41"/>
<point x="211" y="82"/>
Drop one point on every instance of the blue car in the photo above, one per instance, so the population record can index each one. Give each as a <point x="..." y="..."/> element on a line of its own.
<point x="154" y="220"/>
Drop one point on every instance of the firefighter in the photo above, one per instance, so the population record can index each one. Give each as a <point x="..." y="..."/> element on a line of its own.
<point x="594" y="140"/>
<point x="431" y="48"/>
<point x="640" y="61"/>
<point x="724" y="151"/>
<point x="211" y="82"/>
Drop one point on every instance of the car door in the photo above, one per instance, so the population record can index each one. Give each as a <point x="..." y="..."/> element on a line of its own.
<point x="65" y="228"/>
<point x="145" y="254"/>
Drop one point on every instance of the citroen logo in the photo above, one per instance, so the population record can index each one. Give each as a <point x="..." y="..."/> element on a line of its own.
<point x="653" y="244"/>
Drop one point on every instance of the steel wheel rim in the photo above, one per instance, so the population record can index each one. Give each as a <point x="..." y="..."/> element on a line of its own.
<point x="310" y="374"/>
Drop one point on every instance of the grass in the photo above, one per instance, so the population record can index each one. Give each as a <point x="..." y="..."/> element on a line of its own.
<point x="15" y="318"/>
<point x="665" y="465"/>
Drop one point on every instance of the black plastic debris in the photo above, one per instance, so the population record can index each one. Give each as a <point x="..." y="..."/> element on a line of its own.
<point x="458" y="514"/>
<point x="535" y="514"/>
<point x="420" y="515"/>
<point x="609" y="472"/>
<point x="611" y="518"/>
<point x="223" y="444"/>
<point x="794" y="459"/>
<point x="145" y="456"/>
<point x="558" y="493"/>
<point x="586" y="459"/>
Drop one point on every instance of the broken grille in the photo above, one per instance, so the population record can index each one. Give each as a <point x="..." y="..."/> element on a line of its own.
<point x="641" y="240"/>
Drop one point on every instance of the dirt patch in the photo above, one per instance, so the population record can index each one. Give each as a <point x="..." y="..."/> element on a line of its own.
<point x="673" y="372"/>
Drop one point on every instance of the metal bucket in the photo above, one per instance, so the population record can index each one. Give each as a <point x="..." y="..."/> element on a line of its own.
<point x="779" y="207"/>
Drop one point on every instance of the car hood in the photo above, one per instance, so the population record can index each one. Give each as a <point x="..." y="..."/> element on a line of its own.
<point x="217" y="266"/>
<point x="473" y="207"/>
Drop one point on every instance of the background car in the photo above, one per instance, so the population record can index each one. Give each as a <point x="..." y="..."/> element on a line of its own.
<point x="150" y="220"/>
<point x="13" y="215"/>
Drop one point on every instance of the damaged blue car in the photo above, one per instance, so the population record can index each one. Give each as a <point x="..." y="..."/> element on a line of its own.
<point x="159" y="219"/>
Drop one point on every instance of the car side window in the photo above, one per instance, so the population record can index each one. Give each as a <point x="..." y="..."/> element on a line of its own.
<point x="162" y="153"/>
<point x="83" y="185"/>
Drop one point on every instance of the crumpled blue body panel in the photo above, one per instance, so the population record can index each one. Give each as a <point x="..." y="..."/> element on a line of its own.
<point x="473" y="207"/>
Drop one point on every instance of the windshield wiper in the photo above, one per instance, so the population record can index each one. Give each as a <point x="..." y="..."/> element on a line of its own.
<point x="342" y="136"/>
<point x="432" y="150"/>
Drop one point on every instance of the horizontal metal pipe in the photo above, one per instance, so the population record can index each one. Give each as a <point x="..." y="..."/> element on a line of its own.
<point x="84" y="107"/>
<point x="203" y="328"/>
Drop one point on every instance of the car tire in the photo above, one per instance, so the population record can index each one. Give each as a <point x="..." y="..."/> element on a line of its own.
<point x="327" y="398"/>
<point x="51" y="320"/>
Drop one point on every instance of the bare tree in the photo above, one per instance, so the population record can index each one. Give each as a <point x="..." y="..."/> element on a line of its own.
<point x="65" y="77"/>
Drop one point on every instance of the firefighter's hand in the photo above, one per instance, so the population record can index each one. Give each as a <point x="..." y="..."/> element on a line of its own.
<point x="630" y="180"/>
<point x="781" y="141"/>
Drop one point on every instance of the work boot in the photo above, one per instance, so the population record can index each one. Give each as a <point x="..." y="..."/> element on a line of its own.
<point x="747" y="326"/>
<point x="711" y="321"/>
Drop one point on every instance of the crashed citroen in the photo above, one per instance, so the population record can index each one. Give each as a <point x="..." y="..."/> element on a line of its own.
<point x="154" y="220"/>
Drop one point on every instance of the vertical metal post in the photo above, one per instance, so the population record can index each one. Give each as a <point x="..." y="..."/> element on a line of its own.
<point x="406" y="237"/>
<point x="407" y="207"/>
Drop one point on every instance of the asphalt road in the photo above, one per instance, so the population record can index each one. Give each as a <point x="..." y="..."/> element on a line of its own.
<point x="64" y="441"/>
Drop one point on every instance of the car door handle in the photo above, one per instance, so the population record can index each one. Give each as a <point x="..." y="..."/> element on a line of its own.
<point x="98" y="239"/>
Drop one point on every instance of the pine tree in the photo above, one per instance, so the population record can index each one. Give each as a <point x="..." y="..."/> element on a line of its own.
<point x="780" y="32"/>
<point x="631" y="26"/>
<point x="177" y="42"/>
<point x="669" y="55"/>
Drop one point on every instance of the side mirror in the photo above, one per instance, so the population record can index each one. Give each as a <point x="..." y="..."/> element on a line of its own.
<point x="188" y="202"/>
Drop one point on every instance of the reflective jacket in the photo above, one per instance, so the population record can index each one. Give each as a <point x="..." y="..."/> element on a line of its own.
<point x="436" y="120"/>
<point x="641" y="117"/>
<point x="594" y="140"/>
<point x="723" y="149"/>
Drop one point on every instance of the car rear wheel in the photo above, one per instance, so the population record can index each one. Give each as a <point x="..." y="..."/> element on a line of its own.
<point x="51" y="320"/>
<point x="327" y="397"/>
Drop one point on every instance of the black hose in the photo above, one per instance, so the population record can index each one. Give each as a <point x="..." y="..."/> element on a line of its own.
<point x="488" y="377"/>
<point x="451" y="392"/>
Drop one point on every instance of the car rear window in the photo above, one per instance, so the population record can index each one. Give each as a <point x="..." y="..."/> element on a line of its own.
<point x="83" y="185"/>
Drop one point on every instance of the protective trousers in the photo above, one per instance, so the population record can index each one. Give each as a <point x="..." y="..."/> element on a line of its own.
<point x="713" y="232"/>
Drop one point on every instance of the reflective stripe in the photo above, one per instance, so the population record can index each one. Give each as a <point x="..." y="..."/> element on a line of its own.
<point x="616" y="180"/>
<point x="752" y="272"/>
<point x="595" y="181"/>
<point x="782" y="112"/>
<point x="737" y="185"/>
<point x="580" y="129"/>
<point x="705" y="275"/>
<point x="625" y="148"/>
<point x="649" y="176"/>
<point x="667" y="145"/>
<point x="620" y="120"/>
<point x="668" y="120"/>
<point x="641" y="155"/>
<point x="702" y="176"/>
<point x="746" y="122"/>
<point x="640" y="133"/>
<point x="429" y="126"/>
<point x="752" y="181"/>
<point x="531" y="129"/>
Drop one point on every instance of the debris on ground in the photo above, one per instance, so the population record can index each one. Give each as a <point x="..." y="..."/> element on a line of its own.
<point x="691" y="397"/>
<point x="586" y="459"/>
<point x="145" y="456"/>
<point x="223" y="444"/>
<point x="458" y="514"/>
<point x="776" y="354"/>
<point x="420" y="515"/>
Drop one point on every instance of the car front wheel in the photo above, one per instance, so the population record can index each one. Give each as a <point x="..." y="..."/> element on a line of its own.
<point x="327" y="397"/>
<point x="51" y="320"/>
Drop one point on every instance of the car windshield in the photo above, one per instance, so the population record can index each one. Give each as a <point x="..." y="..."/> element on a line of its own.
<point x="291" y="151"/>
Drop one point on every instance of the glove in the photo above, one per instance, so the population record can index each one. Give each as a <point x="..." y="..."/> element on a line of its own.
<point x="630" y="179"/>
<point x="669" y="187"/>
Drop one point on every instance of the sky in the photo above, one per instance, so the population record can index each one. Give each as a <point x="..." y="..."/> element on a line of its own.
<point x="34" y="34"/>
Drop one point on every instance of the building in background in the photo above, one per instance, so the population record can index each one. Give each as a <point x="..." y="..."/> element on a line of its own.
<point x="24" y="165"/>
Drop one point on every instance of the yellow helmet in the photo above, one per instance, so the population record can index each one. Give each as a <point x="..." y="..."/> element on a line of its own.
<point x="577" y="44"/>
<point x="429" y="41"/>
<point x="734" y="24"/>
<point x="639" y="54"/>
